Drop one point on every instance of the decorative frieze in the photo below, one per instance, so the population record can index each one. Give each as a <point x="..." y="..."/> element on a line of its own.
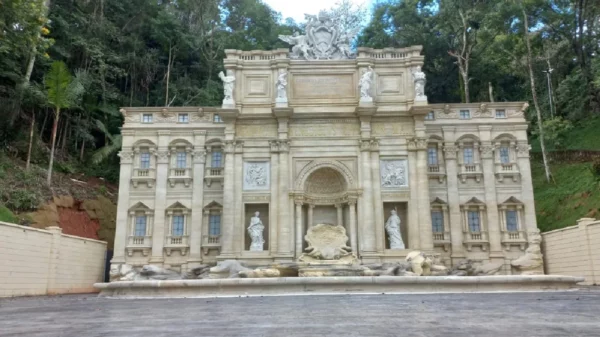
<point x="256" y="175"/>
<point x="394" y="173"/>
<point x="326" y="128"/>
<point x="126" y="157"/>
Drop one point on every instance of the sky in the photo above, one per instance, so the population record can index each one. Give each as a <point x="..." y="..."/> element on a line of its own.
<point x="296" y="8"/>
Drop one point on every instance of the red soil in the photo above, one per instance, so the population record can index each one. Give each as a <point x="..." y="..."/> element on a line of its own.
<point x="76" y="222"/>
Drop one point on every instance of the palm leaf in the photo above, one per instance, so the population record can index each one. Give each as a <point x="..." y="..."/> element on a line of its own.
<point x="57" y="82"/>
<point x="107" y="150"/>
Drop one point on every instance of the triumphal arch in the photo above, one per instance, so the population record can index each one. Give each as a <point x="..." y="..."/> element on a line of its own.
<point x="320" y="134"/>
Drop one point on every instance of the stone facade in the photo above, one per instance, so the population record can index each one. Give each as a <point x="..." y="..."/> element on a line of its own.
<point x="298" y="142"/>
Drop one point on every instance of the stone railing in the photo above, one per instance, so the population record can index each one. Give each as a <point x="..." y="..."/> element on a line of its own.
<point x="214" y="239"/>
<point x="389" y="53"/>
<point x="514" y="238"/>
<point x="178" y="242"/>
<point x="143" y="173"/>
<point x="257" y="55"/>
<point x="436" y="171"/>
<point x="504" y="170"/>
<point x="470" y="171"/>
<point x="480" y="238"/>
<point x="180" y="175"/>
<point x="139" y="243"/>
<point x="213" y="173"/>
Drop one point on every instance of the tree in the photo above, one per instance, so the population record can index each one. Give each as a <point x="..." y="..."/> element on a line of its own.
<point x="63" y="93"/>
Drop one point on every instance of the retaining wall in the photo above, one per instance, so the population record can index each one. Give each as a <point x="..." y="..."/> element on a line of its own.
<point x="47" y="262"/>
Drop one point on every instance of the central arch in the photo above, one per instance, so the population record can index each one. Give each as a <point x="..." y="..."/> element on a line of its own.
<point x="331" y="168"/>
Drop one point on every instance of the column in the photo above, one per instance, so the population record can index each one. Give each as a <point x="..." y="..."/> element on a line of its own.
<point x="425" y="230"/>
<point x="353" y="241"/>
<point x="486" y="158"/>
<point x="239" y="233"/>
<point x="414" y="240"/>
<point x="228" y="202"/>
<point x="274" y="201"/>
<point x="123" y="207"/>
<point x="299" y="236"/>
<point x="285" y="235"/>
<point x="454" y="226"/>
<point x="197" y="219"/>
<point x="377" y="203"/>
<point x="340" y="216"/>
<point x="160" y="198"/>
<point x="311" y="208"/>
<point x="367" y="228"/>
<point x="530" y="222"/>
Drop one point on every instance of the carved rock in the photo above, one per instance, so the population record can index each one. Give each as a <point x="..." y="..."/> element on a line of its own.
<point x="259" y="273"/>
<point x="532" y="262"/>
<point x="157" y="273"/>
<point x="463" y="268"/>
<point x="327" y="242"/>
<point x="420" y="263"/>
<point x="227" y="269"/>
<point x="488" y="269"/>
<point x="199" y="272"/>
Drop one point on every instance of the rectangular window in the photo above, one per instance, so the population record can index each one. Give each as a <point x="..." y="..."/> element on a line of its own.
<point x="217" y="159"/>
<point x="500" y="113"/>
<point x="217" y="119"/>
<point x="140" y="226"/>
<point x="147" y="118"/>
<point x="181" y="160"/>
<point x="214" y="222"/>
<point x="437" y="221"/>
<point x="504" y="155"/>
<point x="145" y="160"/>
<point x="177" y="225"/>
<point x="468" y="155"/>
<point x="430" y="116"/>
<point x="512" y="221"/>
<point x="432" y="158"/>
<point x="474" y="224"/>
<point x="465" y="114"/>
<point x="183" y="118"/>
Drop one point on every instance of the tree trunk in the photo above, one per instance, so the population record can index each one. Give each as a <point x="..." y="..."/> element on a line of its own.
<point x="54" y="129"/>
<point x="64" y="137"/>
<point x="30" y="140"/>
<point x="168" y="75"/>
<point x="44" y="124"/>
<point x="465" y="77"/>
<point x="82" y="151"/>
<point x="491" y="91"/>
<point x="534" y="93"/>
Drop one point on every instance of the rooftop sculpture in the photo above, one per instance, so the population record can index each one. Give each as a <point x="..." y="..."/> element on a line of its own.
<point x="323" y="40"/>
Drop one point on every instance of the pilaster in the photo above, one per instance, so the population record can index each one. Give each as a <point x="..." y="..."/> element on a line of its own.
<point x="353" y="240"/>
<point x="239" y="233"/>
<point x="377" y="203"/>
<point x="160" y="197"/>
<point x="368" y="239"/>
<point x="489" y="181"/>
<point x="455" y="225"/>
<point x="424" y="208"/>
<point x="530" y="224"/>
<point x="123" y="206"/>
<point x="298" y="223"/>
<point x="228" y="202"/>
<point x="274" y="203"/>
<point x="197" y="222"/>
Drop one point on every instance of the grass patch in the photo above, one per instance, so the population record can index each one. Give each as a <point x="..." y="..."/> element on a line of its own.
<point x="584" y="136"/>
<point x="6" y="215"/>
<point x="575" y="195"/>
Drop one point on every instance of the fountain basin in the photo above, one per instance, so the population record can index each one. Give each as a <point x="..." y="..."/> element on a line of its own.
<point x="291" y="286"/>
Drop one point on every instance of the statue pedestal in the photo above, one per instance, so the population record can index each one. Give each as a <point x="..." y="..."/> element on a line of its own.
<point x="366" y="102"/>
<point x="281" y="102"/>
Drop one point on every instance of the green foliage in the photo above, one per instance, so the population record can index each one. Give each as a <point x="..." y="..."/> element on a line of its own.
<point x="555" y="131"/>
<point x="65" y="167"/>
<point x="595" y="169"/>
<point x="574" y="196"/>
<point x="21" y="199"/>
<point x="6" y="215"/>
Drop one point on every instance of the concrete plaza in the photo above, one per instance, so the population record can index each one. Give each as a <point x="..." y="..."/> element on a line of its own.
<point x="571" y="313"/>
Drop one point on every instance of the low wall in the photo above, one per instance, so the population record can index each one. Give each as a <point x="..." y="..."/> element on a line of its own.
<point x="47" y="262"/>
<point x="574" y="250"/>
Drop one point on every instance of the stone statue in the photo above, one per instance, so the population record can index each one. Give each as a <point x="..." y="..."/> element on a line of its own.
<point x="299" y="45"/>
<point x="282" y="86"/>
<point x="327" y="242"/>
<point x="228" y="82"/>
<point x="255" y="230"/>
<point x="532" y="262"/>
<point x="392" y="226"/>
<point x="420" y="81"/>
<point x="365" y="85"/>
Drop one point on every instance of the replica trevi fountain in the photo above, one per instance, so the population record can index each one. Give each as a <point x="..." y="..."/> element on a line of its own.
<point x="323" y="161"/>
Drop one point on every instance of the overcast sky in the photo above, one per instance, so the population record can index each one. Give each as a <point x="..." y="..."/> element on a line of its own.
<point x="296" y="8"/>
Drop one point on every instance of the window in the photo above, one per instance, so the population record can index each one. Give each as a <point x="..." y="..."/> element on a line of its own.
<point x="468" y="155"/>
<point x="214" y="222"/>
<point x="437" y="221"/>
<point x="512" y="221"/>
<point x="217" y="119"/>
<point x="432" y="158"/>
<point x="147" y="118"/>
<point x="140" y="226"/>
<point x="500" y="113"/>
<point x="145" y="160"/>
<point x="430" y="116"/>
<point x="183" y="118"/>
<point x="504" y="155"/>
<point x="465" y="114"/>
<point x="181" y="160"/>
<point x="217" y="159"/>
<point x="177" y="225"/>
<point x="474" y="223"/>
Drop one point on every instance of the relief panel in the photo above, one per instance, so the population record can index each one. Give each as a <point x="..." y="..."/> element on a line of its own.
<point x="390" y="84"/>
<point x="256" y="130"/>
<point x="313" y="86"/>
<point x="394" y="173"/>
<point x="256" y="175"/>
<point x="325" y="128"/>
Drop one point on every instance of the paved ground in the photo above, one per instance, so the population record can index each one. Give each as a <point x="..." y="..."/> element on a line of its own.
<point x="432" y="315"/>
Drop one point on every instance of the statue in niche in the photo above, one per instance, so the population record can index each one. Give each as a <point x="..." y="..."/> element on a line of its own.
<point x="281" y="86"/>
<point x="255" y="230"/>
<point x="420" y="81"/>
<point x="365" y="84"/>
<point x="392" y="227"/>
<point x="228" y="82"/>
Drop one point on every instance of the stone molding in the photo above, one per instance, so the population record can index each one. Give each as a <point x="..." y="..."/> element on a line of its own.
<point x="371" y="144"/>
<point x="126" y="157"/>
<point x="450" y="151"/>
<point x="318" y="164"/>
<point x="162" y="156"/>
<point x="523" y="150"/>
<point x="417" y="143"/>
<point x="487" y="151"/>
<point x="199" y="156"/>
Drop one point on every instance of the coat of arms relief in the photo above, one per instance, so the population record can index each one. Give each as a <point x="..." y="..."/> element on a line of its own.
<point x="323" y="39"/>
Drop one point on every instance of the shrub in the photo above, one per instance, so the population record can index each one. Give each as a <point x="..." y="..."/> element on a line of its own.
<point x="21" y="199"/>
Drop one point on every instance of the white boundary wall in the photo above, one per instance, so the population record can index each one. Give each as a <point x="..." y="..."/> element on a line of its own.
<point x="47" y="262"/>
<point x="574" y="250"/>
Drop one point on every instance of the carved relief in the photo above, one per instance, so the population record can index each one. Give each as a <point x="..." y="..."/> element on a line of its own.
<point x="390" y="129"/>
<point x="126" y="157"/>
<point x="256" y="176"/>
<point x="483" y="111"/>
<point x="317" y="164"/>
<point x="199" y="156"/>
<point x="487" y="151"/>
<point x="162" y="156"/>
<point x="450" y="151"/>
<point x="393" y="173"/>
<point x="523" y="150"/>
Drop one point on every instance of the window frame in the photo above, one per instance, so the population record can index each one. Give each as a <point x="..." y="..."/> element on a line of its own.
<point x="183" y="118"/>
<point x="217" y="119"/>
<point x="211" y="224"/>
<point x="441" y="218"/>
<point x="181" y="156"/>
<point x="139" y="216"/>
<point x="216" y="153"/>
<point x="430" y="116"/>
<point x="516" y="219"/>
<point x="503" y="115"/>
<point x="432" y="150"/>
<point x="180" y="225"/>
<point x="470" y="149"/>
<point x="149" y="120"/>
<point x="145" y="164"/>
<point x="503" y="149"/>
<point x="470" y="225"/>
<point x="466" y="116"/>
